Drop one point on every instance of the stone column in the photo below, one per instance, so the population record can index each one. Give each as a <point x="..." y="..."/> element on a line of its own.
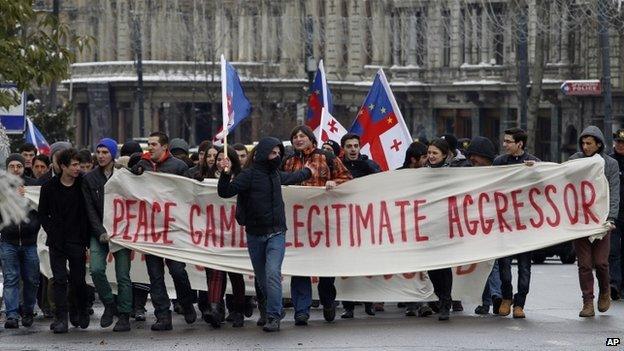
<point x="334" y="36"/>
<point x="555" y="133"/>
<point x="455" y="34"/>
<point x="357" y="38"/>
<point x="379" y="33"/>
<point x="121" y="123"/>
<point x="486" y="38"/>
<point x="412" y="42"/>
<point x="475" y="118"/>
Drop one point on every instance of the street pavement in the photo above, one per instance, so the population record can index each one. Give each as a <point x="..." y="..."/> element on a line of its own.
<point x="552" y="323"/>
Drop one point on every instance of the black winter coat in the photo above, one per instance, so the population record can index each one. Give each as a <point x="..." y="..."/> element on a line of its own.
<point x="260" y="206"/>
<point x="93" y="191"/>
<point x="361" y="167"/>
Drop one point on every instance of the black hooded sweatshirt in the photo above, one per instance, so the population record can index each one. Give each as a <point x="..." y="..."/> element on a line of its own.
<point x="260" y="206"/>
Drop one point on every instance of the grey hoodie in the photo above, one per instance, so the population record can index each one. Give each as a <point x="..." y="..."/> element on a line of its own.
<point x="611" y="170"/>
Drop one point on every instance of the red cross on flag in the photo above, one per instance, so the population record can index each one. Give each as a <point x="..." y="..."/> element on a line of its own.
<point x="384" y="136"/>
<point x="331" y="128"/>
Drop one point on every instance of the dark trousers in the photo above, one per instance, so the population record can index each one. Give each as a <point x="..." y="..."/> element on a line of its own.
<point x="217" y="284"/>
<point x="301" y="293"/>
<point x="616" y="262"/>
<point x="158" y="290"/>
<point x="442" y="280"/>
<point x="590" y="255"/>
<point x="524" y="278"/>
<point x="75" y="255"/>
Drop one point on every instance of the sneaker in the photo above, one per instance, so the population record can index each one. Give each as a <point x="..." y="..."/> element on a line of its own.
<point x="518" y="312"/>
<point x="28" y="319"/>
<point x="588" y="309"/>
<point x="329" y="313"/>
<point x="482" y="309"/>
<point x="139" y="315"/>
<point x="347" y="314"/>
<point x="457" y="306"/>
<point x="301" y="319"/>
<point x="11" y="323"/>
<point x="496" y="303"/>
<point x="505" y="307"/>
<point x="272" y="325"/>
<point x="410" y="311"/>
<point x="615" y="293"/>
<point x="604" y="302"/>
<point x="424" y="310"/>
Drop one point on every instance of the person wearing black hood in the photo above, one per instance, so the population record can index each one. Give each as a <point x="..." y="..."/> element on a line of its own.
<point x="260" y="208"/>
<point x="593" y="251"/>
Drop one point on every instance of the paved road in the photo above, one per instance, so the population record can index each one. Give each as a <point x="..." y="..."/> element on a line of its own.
<point x="551" y="324"/>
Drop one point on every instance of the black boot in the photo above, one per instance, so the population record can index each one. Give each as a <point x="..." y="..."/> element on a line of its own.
<point x="73" y="317"/>
<point x="59" y="326"/>
<point x="263" y="316"/>
<point x="368" y="308"/>
<point x="214" y="315"/>
<point x="163" y="322"/>
<point x="84" y="318"/>
<point x="110" y="311"/>
<point x="190" y="315"/>
<point x="123" y="324"/>
<point x="445" y="311"/>
<point x="238" y="319"/>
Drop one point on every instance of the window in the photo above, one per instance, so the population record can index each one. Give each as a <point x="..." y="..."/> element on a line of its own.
<point x="446" y="38"/>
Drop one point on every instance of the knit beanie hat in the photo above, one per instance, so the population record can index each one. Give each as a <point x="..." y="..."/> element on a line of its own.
<point x="110" y="144"/>
<point x="15" y="157"/>
<point x="59" y="146"/>
<point x="130" y="147"/>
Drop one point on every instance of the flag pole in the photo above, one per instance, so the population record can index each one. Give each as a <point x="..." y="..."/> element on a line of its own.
<point x="224" y="109"/>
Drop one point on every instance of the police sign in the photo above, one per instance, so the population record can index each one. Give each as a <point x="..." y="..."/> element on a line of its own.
<point x="590" y="87"/>
<point x="13" y="119"/>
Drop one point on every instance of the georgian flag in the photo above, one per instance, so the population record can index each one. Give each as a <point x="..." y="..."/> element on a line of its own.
<point x="384" y="136"/>
<point x="320" y="97"/>
<point x="331" y="129"/>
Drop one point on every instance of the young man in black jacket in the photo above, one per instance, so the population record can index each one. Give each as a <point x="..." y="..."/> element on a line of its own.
<point x="18" y="252"/>
<point x="63" y="215"/>
<point x="260" y="208"/>
<point x="93" y="191"/>
<point x="160" y="159"/>
<point x="514" y="141"/>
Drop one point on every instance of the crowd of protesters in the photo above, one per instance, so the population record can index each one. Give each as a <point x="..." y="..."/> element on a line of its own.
<point x="71" y="213"/>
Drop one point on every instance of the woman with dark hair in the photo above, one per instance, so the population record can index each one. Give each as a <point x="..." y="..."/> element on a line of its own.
<point x="216" y="279"/>
<point x="438" y="156"/>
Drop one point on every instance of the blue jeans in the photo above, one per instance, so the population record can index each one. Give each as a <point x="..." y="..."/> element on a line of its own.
<point x="19" y="262"/>
<point x="524" y="278"/>
<point x="158" y="289"/>
<point x="492" y="286"/>
<point x="301" y="293"/>
<point x="267" y="254"/>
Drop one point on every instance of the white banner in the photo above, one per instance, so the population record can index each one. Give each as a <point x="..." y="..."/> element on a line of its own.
<point x="386" y="223"/>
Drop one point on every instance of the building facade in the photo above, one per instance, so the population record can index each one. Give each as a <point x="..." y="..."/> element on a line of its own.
<point x="452" y="65"/>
